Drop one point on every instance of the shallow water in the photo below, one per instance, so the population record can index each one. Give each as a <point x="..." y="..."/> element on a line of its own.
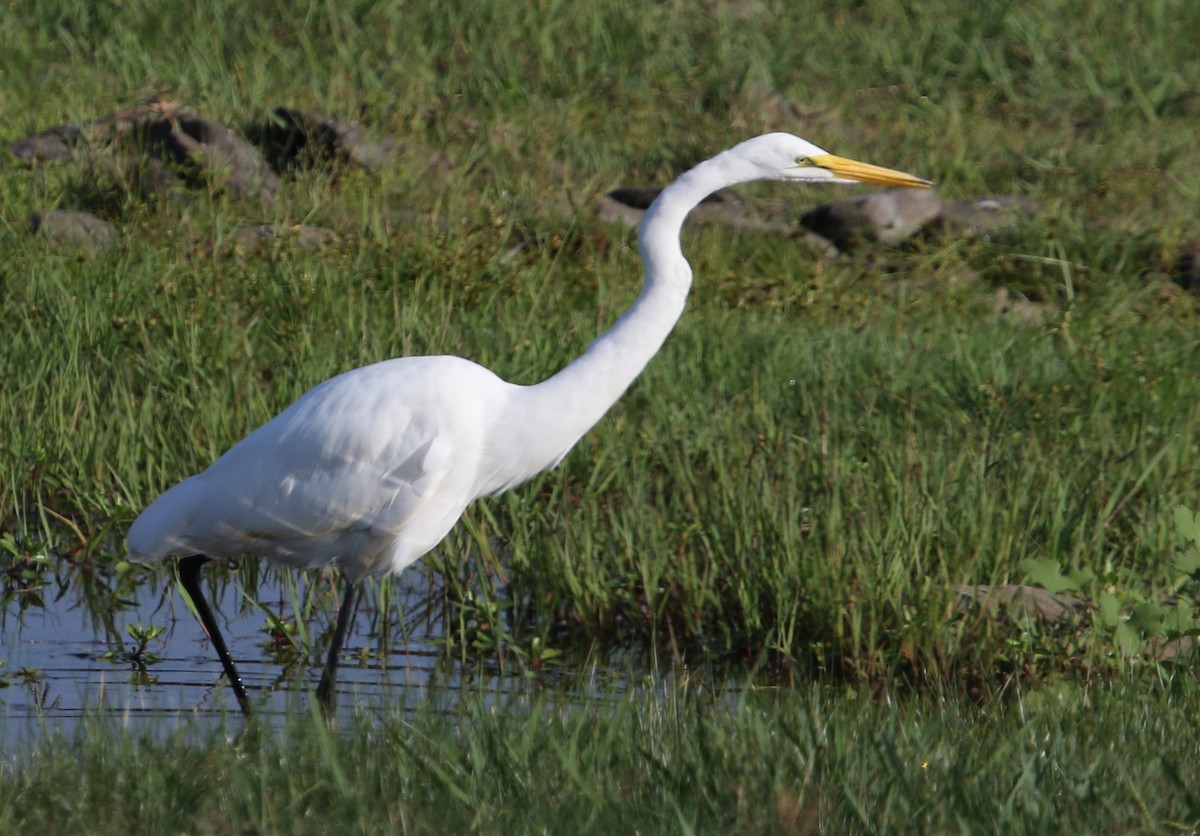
<point x="63" y="659"/>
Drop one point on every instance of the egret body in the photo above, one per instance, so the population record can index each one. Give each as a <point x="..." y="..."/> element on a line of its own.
<point x="371" y="469"/>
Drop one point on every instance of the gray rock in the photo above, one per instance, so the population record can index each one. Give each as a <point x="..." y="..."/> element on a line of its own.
<point x="261" y="237"/>
<point x="49" y="145"/>
<point x="894" y="216"/>
<point x="1016" y="306"/>
<point x="179" y="145"/>
<point x="1021" y="603"/>
<point x="1185" y="272"/>
<point x="152" y="176"/>
<point x="211" y="152"/>
<point x="887" y="217"/>
<point x="1163" y="650"/>
<point x="293" y="138"/>
<point x="80" y="231"/>
<point x="987" y="216"/>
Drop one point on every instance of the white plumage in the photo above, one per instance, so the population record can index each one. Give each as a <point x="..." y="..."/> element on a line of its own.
<point x="370" y="470"/>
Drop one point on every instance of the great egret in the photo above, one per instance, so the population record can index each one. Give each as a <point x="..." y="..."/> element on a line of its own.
<point x="369" y="470"/>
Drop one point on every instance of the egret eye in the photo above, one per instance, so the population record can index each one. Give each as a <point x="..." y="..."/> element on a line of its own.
<point x="803" y="162"/>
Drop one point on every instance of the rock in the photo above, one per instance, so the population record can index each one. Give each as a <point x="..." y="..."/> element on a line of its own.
<point x="182" y="144"/>
<point x="373" y="156"/>
<point x="896" y="215"/>
<point x="1161" y="650"/>
<point x="156" y="177"/>
<point x="156" y="145"/>
<point x="291" y="138"/>
<point x="1185" y="271"/>
<point x="49" y="145"/>
<point x="987" y="216"/>
<point x="76" y="230"/>
<point x="1017" y="306"/>
<point x="211" y="151"/>
<point x="1017" y="604"/>
<point x="627" y="204"/>
<point x="261" y="237"/>
<point x="1021" y="603"/>
<point x="887" y="217"/>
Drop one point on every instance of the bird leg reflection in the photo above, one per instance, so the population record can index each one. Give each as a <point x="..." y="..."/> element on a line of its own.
<point x="325" y="691"/>
<point x="189" y="576"/>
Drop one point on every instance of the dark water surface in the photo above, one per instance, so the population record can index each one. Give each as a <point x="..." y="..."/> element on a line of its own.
<point x="64" y="653"/>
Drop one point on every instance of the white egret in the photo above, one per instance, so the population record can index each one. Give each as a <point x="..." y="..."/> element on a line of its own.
<point x="370" y="470"/>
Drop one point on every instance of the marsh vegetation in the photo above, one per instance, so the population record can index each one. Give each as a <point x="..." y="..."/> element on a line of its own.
<point x="767" y="531"/>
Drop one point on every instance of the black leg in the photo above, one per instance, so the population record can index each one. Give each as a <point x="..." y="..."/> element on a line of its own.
<point x="325" y="691"/>
<point x="189" y="576"/>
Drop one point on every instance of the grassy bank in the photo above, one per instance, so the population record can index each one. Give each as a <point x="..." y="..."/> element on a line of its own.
<point x="684" y="760"/>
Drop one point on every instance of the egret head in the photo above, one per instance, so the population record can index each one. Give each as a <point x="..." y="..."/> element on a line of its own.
<point x="782" y="156"/>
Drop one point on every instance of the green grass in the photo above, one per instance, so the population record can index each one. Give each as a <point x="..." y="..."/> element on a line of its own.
<point x="673" y="759"/>
<point x="821" y="450"/>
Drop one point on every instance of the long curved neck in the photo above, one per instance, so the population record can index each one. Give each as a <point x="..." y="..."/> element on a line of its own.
<point x="544" y="421"/>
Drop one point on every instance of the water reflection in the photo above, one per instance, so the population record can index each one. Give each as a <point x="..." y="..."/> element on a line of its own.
<point x="67" y="651"/>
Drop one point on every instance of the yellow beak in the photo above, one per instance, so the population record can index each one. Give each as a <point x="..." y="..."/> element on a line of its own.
<point x="867" y="173"/>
